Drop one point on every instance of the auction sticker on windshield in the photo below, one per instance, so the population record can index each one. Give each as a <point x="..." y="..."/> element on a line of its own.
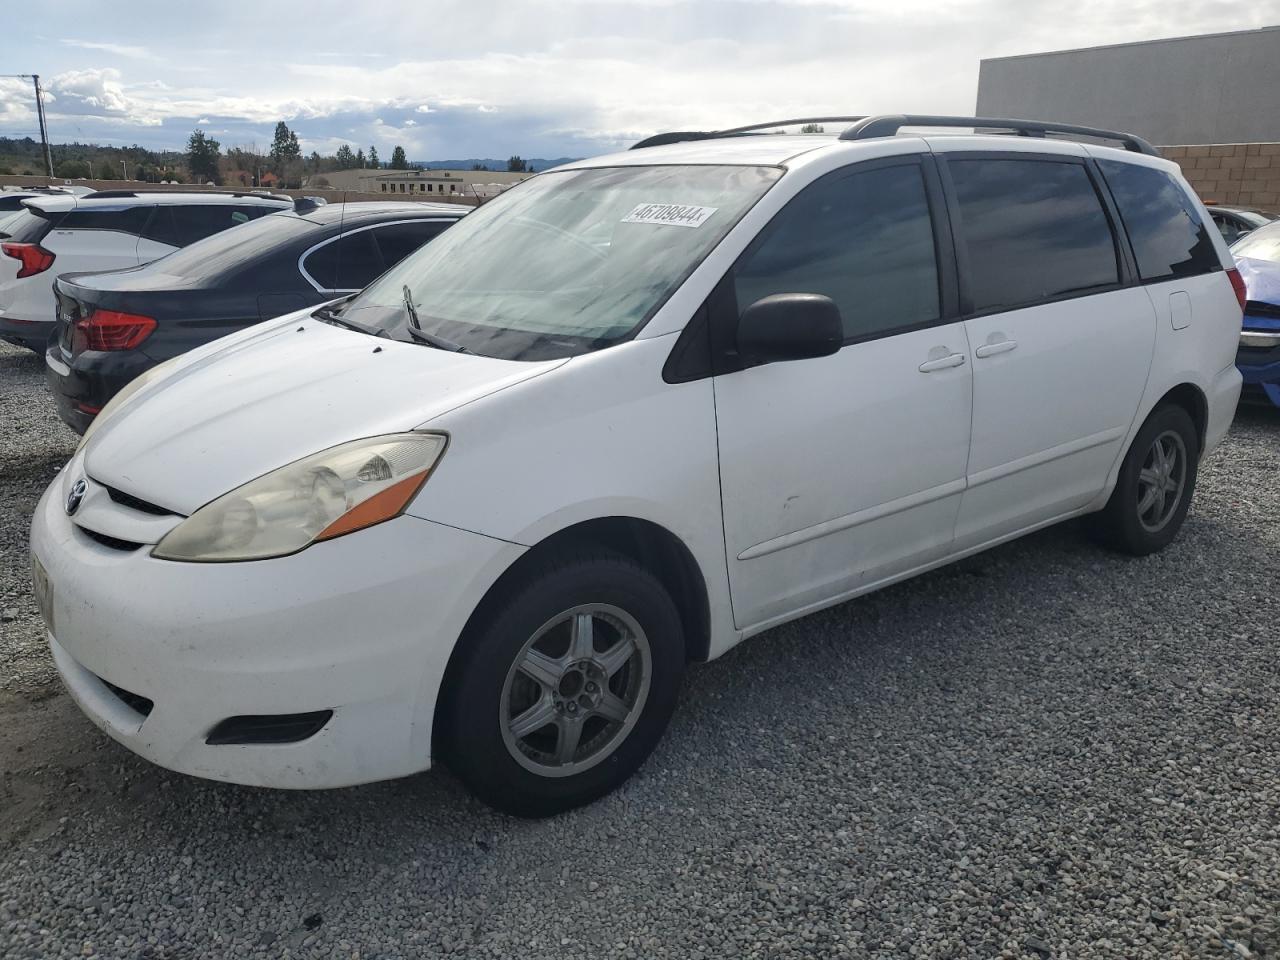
<point x="674" y="214"/>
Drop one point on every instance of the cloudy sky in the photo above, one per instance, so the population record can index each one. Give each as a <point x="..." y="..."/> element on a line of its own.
<point x="542" y="79"/>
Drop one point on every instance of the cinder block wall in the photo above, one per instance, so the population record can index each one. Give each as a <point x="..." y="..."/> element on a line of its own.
<point x="1247" y="174"/>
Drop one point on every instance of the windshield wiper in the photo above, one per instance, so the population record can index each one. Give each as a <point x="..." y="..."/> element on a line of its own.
<point x="416" y="331"/>
<point x="326" y="315"/>
<point x="440" y="343"/>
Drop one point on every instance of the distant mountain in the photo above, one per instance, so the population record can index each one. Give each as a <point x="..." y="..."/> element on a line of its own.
<point x="537" y="163"/>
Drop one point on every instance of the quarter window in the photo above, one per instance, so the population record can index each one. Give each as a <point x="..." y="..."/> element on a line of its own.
<point x="123" y="219"/>
<point x="1033" y="231"/>
<point x="1169" y="238"/>
<point x="864" y="239"/>
<point x="350" y="263"/>
<point x="398" y="240"/>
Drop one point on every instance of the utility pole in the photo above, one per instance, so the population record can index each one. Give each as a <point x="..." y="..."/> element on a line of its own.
<point x="44" y="132"/>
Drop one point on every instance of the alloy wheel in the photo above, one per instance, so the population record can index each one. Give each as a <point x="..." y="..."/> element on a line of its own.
<point x="575" y="690"/>
<point x="1161" y="481"/>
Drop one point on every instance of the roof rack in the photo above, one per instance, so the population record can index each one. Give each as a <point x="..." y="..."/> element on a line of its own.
<point x="869" y="128"/>
<point x="887" y="126"/>
<point x="101" y="194"/>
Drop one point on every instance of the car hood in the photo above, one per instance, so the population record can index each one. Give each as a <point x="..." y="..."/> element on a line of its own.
<point x="252" y="402"/>
<point x="1261" y="279"/>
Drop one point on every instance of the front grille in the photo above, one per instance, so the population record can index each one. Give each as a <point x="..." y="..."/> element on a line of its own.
<point x="114" y="543"/>
<point x="276" y="728"/>
<point x="1260" y="309"/>
<point x="135" y="503"/>
<point x="134" y="701"/>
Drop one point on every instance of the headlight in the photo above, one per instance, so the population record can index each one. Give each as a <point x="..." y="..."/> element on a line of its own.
<point x="118" y="401"/>
<point x="336" y="491"/>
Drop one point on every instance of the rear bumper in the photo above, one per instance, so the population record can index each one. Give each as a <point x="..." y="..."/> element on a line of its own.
<point x="1224" y="396"/>
<point x="86" y="384"/>
<point x="32" y="334"/>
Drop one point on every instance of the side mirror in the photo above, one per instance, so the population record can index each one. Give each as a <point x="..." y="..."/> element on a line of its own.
<point x="789" y="326"/>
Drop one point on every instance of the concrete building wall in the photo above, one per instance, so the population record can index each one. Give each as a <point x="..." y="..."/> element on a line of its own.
<point x="1216" y="89"/>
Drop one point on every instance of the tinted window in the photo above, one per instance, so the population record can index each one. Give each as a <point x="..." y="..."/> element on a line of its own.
<point x="27" y="226"/>
<point x="346" y="264"/>
<point x="1034" y="230"/>
<point x="863" y="239"/>
<point x="398" y="240"/>
<point x="253" y="244"/>
<point x="204" y="220"/>
<point x="1169" y="238"/>
<point x="126" y="220"/>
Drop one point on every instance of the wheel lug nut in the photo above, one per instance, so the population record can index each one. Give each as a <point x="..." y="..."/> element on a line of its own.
<point x="573" y="707"/>
<point x="591" y="688"/>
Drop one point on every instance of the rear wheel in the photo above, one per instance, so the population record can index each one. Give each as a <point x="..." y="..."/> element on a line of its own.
<point x="564" y="685"/>
<point x="1154" y="489"/>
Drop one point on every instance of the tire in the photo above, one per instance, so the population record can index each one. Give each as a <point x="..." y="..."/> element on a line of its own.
<point x="1131" y="522"/>
<point x="594" y="598"/>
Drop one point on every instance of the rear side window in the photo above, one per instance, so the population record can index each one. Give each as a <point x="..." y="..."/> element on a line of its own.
<point x="123" y="219"/>
<point x="864" y="239"/>
<point x="349" y="263"/>
<point x="179" y="225"/>
<point x="398" y="240"/>
<point x="1033" y="231"/>
<point x="1169" y="238"/>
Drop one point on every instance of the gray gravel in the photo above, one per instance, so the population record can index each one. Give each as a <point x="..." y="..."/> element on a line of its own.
<point x="1046" y="751"/>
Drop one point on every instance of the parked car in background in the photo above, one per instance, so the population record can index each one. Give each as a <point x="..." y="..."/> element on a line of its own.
<point x="485" y="511"/>
<point x="1235" y="222"/>
<point x="113" y="326"/>
<point x="113" y="229"/>
<point x="1258" y="257"/>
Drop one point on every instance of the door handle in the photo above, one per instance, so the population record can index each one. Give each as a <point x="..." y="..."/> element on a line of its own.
<point x="942" y="363"/>
<point x="991" y="349"/>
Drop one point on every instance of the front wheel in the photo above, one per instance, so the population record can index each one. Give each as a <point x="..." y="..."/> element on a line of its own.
<point x="564" y="684"/>
<point x="1153" y="491"/>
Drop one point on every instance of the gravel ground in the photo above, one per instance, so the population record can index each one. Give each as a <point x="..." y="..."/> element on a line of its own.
<point x="1045" y="751"/>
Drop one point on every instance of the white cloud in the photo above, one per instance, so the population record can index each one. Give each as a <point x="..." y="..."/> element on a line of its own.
<point x="119" y="49"/>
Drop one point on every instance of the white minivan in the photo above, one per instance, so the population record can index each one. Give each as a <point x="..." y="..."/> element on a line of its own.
<point x="617" y="420"/>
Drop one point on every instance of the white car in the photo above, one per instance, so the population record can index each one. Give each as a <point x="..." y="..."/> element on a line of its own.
<point x="104" y="231"/>
<point x="626" y="415"/>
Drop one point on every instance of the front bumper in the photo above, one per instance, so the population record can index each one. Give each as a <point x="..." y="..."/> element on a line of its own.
<point x="362" y="625"/>
<point x="32" y="334"/>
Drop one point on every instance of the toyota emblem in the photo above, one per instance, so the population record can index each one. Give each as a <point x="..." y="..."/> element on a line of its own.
<point x="76" y="495"/>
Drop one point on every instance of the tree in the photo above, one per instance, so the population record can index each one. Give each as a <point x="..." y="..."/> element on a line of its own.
<point x="812" y="128"/>
<point x="373" y="158"/>
<point x="398" y="160"/>
<point x="515" y="165"/>
<point x="345" y="158"/>
<point x="479" y="166"/>
<point x="360" y="160"/>
<point x="315" y="161"/>
<point x="108" y="172"/>
<point x="72" y="169"/>
<point x="202" y="156"/>
<point x="284" y="148"/>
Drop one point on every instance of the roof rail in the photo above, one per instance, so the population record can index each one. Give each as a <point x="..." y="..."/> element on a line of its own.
<point x="868" y="128"/>
<point x="887" y="126"/>
<point x="658" y="139"/>
<point x="100" y="194"/>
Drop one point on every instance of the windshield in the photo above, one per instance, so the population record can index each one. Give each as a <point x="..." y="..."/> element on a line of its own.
<point x="565" y="263"/>
<point x="1261" y="244"/>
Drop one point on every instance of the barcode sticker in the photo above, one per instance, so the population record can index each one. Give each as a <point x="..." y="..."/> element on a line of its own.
<point x="671" y="214"/>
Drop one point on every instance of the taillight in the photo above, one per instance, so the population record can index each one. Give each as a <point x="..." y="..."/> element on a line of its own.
<point x="1237" y="284"/>
<point x="35" y="258"/>
<point x="110" y="330"/>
